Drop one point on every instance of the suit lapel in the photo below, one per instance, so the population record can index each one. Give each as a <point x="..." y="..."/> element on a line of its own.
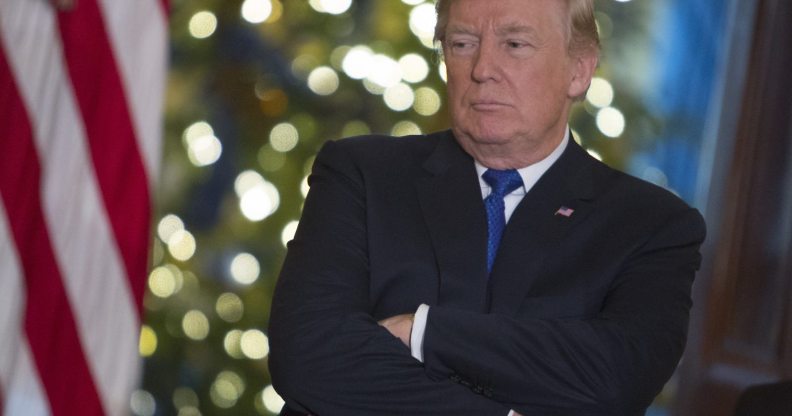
<point x="535" y="230"/>
<point x="450" y="199"/>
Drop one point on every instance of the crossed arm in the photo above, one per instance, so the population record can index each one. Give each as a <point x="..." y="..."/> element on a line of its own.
<point x="330" y="356"/>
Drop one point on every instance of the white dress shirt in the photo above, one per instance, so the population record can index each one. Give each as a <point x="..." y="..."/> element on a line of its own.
<point x="530" y="175"/>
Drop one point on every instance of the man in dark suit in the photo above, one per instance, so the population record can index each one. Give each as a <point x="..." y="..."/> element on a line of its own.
<point x="493" y="269"/>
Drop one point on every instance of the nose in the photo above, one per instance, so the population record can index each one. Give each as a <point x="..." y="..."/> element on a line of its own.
<point x="485" y="64"/>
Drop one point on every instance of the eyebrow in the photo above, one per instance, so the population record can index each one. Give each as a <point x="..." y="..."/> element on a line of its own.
<point x="507" y="29"/>
<point x="513" y="28"/>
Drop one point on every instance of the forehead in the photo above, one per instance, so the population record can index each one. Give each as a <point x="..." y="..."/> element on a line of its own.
<point x="506" y="15"/>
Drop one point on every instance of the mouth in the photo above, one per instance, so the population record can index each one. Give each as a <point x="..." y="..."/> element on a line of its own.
<point x="488" y="105"/>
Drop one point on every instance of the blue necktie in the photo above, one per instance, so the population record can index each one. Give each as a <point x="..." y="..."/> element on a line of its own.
<point x="503" y="182"/>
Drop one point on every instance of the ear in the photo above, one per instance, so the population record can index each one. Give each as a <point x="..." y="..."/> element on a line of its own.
<point x="583" y="66"/>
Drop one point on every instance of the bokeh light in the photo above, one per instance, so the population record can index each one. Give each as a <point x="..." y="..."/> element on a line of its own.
<point x="185" y="397"/>
<point x="162" y="282"/>
<point x="399" y="97"/>
<point x="357" y="62"/>
<point x="288" y="232"/>
<point x="245" y="268"/>
<point x="422" y="23"/>
<point x="323" y="80"/>
<point x="256" y="11"/>
<point x="414" y="68"/>
<point x="168" y="225"/>
<point x="232" y="344"/>
<point x="258" y="199"/>
<point x="181" y="245"/>
<point x="405" y="128"/>
<point x="195" y="325"/>
<point x="427" y="101"/>
<point x="384" y="71"/>
<point x="142" y="403"/>
<point x="330" y="6"/>
<point x="284" y="137"/>
<point x="226" y="389"/>
<point x="271" y="399"/>
<point x="611" y="122"/>
<point x="147" y="345"/>
<point x="202" y="24"/>
<point x="254" y="344"/>
<point x="229" y="307"/>
<point x="600" y="94"/>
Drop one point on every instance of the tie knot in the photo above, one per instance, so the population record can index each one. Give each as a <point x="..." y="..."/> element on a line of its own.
<point x="503" y="182"/>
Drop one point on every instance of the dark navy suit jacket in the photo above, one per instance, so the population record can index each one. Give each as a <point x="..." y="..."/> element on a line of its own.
<point x="583" y="314"/>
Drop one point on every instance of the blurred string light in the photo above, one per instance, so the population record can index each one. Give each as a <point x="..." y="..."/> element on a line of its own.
<point x="384" y="71"/>
<point x="245" y="268"/>
<point x="189" y="411"/>
<point x="258" y="199"/>
<point x="147" y="345"/>
<point x="405" y="128"/>
<point x="611" y="122"/>
<point x="195" y="325"/>
<point x="600" y="93"/>
<point x="412" y="2"/>
<point x="185" y="397"/>
<point x="594" y="154"/>
<point x="165" y="281"/>
<point x="330" y="6"/>
<point x="304" y="187"/>
<point x="414" y="68"/>
<point x="354" y="128"/>
<point x="271" y="400"/>
<point x="323" y="80"/>
<point x="229" y="307"/>
<point x="181" y="245"/>
<point x="203" y="148"/>
<point x="168" y="225"/>
<point x="256" y="11"/>
<point x="423" y="19"/>
<point x="442" y="71"/>
<point x="227" y="388"/>
<point x="288" y="232"/>
<point x="142" y="403"/>
<point x="202" y="24"/>
<point x="254" y="344"/>
<point x="399" y="97"/>
<point x="427" y="101"/>
<point x="231" y="343"/>
<point x="284" y="137"/>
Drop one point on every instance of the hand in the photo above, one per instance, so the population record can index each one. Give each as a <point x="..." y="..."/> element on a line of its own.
<point x="399" y="326"/>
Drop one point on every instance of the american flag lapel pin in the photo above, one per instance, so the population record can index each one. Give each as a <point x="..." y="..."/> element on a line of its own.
<point x="565" y="211"/>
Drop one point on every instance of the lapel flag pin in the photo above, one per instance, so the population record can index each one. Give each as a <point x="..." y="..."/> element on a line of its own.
<point x="565" y="211"/>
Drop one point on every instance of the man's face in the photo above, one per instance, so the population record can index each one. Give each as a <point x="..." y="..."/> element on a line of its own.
<point x="510" y="77"/>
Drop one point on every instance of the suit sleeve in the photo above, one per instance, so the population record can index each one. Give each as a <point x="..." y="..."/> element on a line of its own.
<point x="328" y="354"/>
<point x="613" y="363"/>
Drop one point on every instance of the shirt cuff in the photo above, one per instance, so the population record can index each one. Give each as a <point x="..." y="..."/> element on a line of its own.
<point x="511" y="413"/>
<point x="418" y="329"/>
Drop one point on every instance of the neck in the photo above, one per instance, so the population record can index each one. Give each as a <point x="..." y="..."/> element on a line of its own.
<point x="515" y="154"/>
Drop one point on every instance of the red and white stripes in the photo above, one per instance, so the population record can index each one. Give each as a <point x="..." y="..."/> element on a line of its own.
<point x="80" y="116"/>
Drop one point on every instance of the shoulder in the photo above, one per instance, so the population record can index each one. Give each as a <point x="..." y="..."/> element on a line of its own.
<point x="381" y="153"/>
<point x="645" y="204"/>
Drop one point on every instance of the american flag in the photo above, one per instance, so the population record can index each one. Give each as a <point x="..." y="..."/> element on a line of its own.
<point x="565" y="211"/>
<point x="81" y="93"/>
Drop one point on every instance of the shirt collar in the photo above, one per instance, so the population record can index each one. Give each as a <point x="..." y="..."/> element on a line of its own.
<point x="530" y="174"/>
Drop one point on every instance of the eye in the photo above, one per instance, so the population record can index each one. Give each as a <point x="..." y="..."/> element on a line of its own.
<point x="516" y="44"/>
<point x="461" y="44"/>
